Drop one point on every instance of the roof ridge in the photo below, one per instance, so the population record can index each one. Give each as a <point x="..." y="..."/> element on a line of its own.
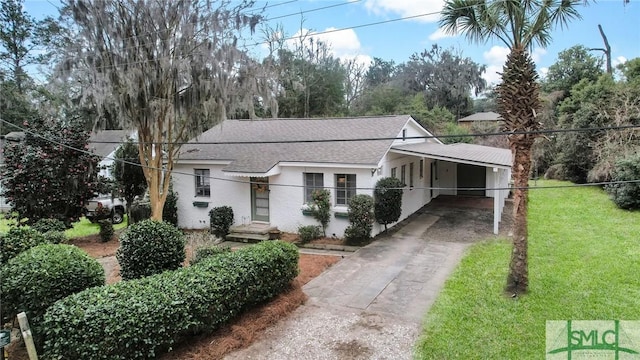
<point x="325" y="118"/>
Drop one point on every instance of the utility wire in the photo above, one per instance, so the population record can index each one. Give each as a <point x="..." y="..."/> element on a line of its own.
<point x="104" y="67"/>
<point x="124" y="49"/>
<point x="53" y="141"/>
<point x="305" y="141"/>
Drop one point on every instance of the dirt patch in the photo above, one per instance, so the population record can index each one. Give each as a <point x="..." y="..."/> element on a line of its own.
<point x="352" y="350"/>
<point x="237" y="334"/>
<point x="94" y="247"/>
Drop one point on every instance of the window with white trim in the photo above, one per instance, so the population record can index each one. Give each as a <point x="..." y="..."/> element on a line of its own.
<point x="312" y="182"/>
<point x="394" y="172"/>
<point x="203" y="187"/>
<point x="403" y="175"/>
<point x="345" y="188"/>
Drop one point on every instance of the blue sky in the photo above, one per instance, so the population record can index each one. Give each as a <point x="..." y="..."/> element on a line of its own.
<point x="398" y="40"/>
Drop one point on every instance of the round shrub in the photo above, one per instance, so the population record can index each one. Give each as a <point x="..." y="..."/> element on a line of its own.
<point x="106" y="230"/>
<point x="55" y="237"/>
<point x="17" y="240"/>
<point x="207" y="252"/>
<point x="221" y="219"/>
<point x="150" y="247"/>
<point x="46" y="225"/>
<point x="388" y="200"/>
<point x="626" y="193"/>
<point x="38" y="277"/>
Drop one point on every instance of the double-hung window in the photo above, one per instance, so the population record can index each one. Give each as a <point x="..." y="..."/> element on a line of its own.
<point x="312" y="182"/>
<point x="403" y="175"/>
<point x="203" y="187"/>
<point x="345" y="188"/>
<point x="394" y="172"/>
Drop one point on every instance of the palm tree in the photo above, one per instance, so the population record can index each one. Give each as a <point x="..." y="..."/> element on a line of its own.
<point x="519" y="24"/>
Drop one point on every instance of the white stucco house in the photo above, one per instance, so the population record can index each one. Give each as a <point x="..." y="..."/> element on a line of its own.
<point x="104" y="143"/>
<point x="266" y="169"/>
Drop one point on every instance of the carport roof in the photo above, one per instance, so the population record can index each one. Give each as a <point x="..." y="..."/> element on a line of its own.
<point x="465" y="153"/>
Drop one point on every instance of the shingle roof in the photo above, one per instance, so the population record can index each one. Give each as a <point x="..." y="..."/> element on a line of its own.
<point x="466" y="152"/>
<point x="104" y="142"/>
<point x="482" y="116"/>
<point x="261" y="157"/>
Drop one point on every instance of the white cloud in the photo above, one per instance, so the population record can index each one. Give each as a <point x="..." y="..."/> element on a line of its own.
<point x="406" y="8"/>
<point x="497" y="56"/>
<point x="537" y="54"/>
<point x="617" y="61"/>
<point x="440" y="34"/>
<point x="342" y="44"/>
<point x="543" y="72"/>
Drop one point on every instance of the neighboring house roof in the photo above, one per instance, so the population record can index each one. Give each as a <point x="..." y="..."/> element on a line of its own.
<point x="104" y="142"/>
<point x="15" y="136"/>
<point x="482" y="116"/>
<point x="476" y="154"/>
<point x="260" y="156"/>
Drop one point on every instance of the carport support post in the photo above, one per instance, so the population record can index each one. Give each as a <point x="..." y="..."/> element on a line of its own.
<point x="496" y="200"/>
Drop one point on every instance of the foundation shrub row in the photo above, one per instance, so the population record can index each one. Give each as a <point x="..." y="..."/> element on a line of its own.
<point x="142" y="318"/>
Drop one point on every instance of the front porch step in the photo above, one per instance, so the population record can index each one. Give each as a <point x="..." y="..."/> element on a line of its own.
<point x="247" y="238"/>
<point x="254" y="232"/>
<point x="253" y="228"/>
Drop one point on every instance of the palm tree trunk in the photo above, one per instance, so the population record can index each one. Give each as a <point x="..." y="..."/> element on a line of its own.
<point x="518" y="278"/>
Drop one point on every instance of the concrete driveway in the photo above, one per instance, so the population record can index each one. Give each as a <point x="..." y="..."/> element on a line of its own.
<point x="370" y="305"/>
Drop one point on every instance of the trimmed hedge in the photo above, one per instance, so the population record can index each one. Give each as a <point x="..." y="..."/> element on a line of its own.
<point x="140" y="319"/>
<point x="38" y="277"/>
<point x="150" y="247"/>
<point x="207" y="252"/>
<point x="17" y="240"/>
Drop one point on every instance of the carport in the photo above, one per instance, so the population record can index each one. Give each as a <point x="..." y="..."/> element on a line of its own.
<point x="467" y="169"/>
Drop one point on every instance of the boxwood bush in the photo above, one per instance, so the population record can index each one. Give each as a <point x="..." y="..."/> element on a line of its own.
<point x="17" y="240"/>
<point x="40" y="276"/>
<point x="142" y="318"/>
<point x="150" y="247"/>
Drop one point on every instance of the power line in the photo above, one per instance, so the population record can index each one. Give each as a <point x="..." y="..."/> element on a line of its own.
<point x="536" y="132"/>
<point x="313" y="10"/>
<point x="104" y="67"/>
<point x="303" y="186"/>
<point x="124" y="49"/>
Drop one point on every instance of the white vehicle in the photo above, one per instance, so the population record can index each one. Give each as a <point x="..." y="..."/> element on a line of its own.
<point x="105" y="207"/>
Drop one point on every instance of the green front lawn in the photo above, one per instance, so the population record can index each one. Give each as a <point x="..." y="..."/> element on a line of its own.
<point x="584" y="261"/>
<point x="82" y="228"/>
